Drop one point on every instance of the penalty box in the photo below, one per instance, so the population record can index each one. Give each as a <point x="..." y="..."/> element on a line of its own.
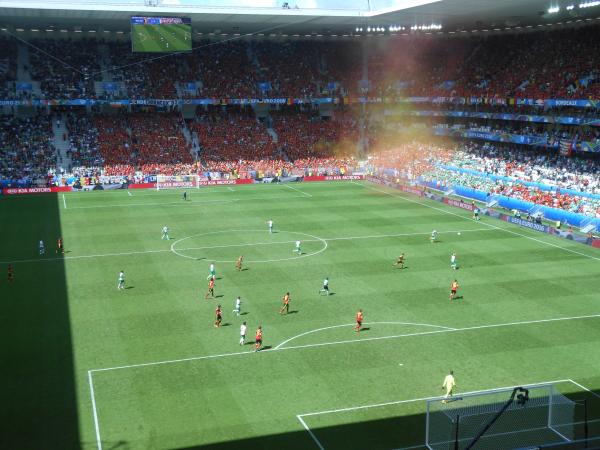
<point x="221" y="398"/>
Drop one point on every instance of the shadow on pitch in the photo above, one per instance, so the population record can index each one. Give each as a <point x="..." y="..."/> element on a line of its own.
<point x="39" y="400"/>
<point x="397" y="432"/>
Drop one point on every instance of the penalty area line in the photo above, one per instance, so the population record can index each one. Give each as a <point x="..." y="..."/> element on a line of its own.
<point x="297" y="190"/>
<point x="352" y="341"/>
<point x="94" y="410"/>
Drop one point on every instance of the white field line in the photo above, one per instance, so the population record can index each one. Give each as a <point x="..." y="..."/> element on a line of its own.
<point x="424" y="333"/>
<point x="585" y="389"/>
<point x="94" y="410"/>
<point x="297" y="190"/>
<point x="142" y="252"/>
<point x="231" y="189"/>
<point x="64" y="201"/>
<point x="424" y="399"/>
<point x="366" y="323"/>
<point x="314" y="438"/>
<point x="472" y="220"/>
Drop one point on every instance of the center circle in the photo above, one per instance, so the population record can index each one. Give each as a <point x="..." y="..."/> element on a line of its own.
<point x="257" y="246"/>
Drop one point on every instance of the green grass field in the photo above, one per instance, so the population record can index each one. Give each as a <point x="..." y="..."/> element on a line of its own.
<point x="161" y="38"/>
<point x="88" y="366"/>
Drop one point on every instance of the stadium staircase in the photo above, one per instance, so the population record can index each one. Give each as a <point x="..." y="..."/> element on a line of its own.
<point x="273" y="134"/>
<point x="23" y="63"/>
<point x="192" y="140"/>
<point x="61" y="145"/>
<point x="104" y="61"/>
<point x="588" y="226"/>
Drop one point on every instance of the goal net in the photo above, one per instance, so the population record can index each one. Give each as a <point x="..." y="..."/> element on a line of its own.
<point x="501" y="419"/>
<point x="177" y="181"/>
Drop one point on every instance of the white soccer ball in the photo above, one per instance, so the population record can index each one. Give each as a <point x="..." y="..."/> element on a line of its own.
<point x="458" y="233"/>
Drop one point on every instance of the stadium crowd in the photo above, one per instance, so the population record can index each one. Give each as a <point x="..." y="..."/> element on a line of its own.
<point x="563" y="66"/>
<point x="26" y="150"/>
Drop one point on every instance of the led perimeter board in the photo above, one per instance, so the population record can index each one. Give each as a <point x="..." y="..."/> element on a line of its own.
<point x="161" y="34"/>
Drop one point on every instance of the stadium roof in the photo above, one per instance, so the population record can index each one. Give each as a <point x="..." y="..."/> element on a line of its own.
<point x="300" y="16"/>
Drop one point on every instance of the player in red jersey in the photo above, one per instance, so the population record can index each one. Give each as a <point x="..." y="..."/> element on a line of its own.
<point x="286" y="304"/>
<point x="59" y="246"/>
<point x="359" y="319"/>
<point x="211" y="288"/>
<point x="239" y="262"/>
<point x="258" y="339"/>
<point x="11" y="273"/>
<point x="400" y="261"/>
<point x="453" y="289"/>
<point x="218" y="317"/>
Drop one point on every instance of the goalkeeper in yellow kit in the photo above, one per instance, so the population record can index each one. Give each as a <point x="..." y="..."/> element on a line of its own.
<point x="449" y="384"/>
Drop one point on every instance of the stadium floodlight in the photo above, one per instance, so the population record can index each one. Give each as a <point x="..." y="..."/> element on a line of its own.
<point x="589" y="4"/>
<point x="553" y="9"/>
<point x="570" y="7"/>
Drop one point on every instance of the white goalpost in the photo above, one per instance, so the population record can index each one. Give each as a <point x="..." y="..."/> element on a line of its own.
<point x="508" y="418"/>
<point x="177" y="182"/>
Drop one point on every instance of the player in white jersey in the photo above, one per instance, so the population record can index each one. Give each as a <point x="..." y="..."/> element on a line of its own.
<point x="238" y="306"/>
<point x="42" y="248"/>
<point x="165" y="233"/>
<point x="121" y="284"/>
<point x="453" y="262"/>
<point x="298" y="249"/>
<point x="270" y="225"/>
<point x="211" y="271"/>
<point x="433" y="236"/>
<point x="325" y="286"/>
<point x="243" y="329"/>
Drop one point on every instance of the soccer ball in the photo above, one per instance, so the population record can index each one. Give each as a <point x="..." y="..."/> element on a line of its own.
<point x="458" y="233"/>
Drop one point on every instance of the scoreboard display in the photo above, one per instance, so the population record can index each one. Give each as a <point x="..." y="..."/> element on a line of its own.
<point x="161" y="34"/>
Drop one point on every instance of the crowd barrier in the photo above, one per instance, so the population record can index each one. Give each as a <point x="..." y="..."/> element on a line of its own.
<point x="36" y="190"/>
<point x="333" y="178"/>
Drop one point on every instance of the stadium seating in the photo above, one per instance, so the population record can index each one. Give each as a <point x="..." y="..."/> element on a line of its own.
<point x="26" y="150"/>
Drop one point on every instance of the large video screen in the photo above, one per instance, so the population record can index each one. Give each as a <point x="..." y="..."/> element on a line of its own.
<point x="161" y="34"/>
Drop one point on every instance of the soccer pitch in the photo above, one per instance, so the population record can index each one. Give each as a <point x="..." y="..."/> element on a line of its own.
<point x="89" y="366"/>
<point x="161" y="38"/>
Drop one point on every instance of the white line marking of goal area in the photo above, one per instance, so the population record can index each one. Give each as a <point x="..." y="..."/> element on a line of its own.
<point x="94" y="410"/>
<point x="423" y="399"/>
<point x="585" y="388"/>
<point x="301" y="417"/>
<point x="483" y="223"/>
<point x="312" y="435"/>
<point x="142" y="252"/>
<point x="297" y="190"/>
<point x="64" y="201"/>
<point x="352" y="324"/>
<point x="424" y="333"/>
